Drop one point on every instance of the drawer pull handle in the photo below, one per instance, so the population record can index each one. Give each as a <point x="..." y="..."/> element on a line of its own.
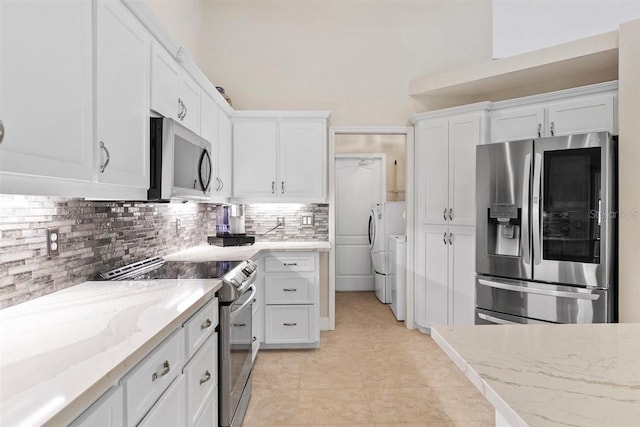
<point x="165" y="370"/>
<point x="207" y="377"/>
<point x="239" y="325"/>
<point x="290" y="324"/>
<point x="290" y="290"/>
<point x="206" y="324"/>
<point x="290" y="264"/>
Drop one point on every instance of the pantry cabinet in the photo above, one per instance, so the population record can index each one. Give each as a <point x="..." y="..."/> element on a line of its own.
<point x="280" y="156"/>
<point x="174" y="93"/>
<point x="445" y="286"/>
<point x="445" y="166"/>
<point x="46" y="91"/>
<point x="573" y="111"/>
<point x="122" y="97"/>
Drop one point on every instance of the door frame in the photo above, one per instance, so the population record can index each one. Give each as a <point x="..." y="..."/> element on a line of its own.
<point x="330" y="323"/>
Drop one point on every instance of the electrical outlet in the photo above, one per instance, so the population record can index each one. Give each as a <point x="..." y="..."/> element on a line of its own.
<point x="306" y="220"/>
<point x="280" y="221"/>
<point x="53" y="242"/>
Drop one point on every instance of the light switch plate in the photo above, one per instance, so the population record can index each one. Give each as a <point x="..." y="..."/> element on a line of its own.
<point x="306" y="220"/>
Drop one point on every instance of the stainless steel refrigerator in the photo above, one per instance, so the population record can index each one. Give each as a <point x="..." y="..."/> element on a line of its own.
<point x="546" y="231"/>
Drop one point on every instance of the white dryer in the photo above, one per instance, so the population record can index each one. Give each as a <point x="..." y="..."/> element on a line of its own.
<point x="385" y="219"/>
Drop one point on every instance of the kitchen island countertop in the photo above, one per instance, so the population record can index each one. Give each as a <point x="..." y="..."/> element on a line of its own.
<point x="551" y="375"/>
<point x="206" y="253"/>
<point x="62" y="351"/>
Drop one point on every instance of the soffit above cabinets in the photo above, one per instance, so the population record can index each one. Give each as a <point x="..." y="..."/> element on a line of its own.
<point x="593" y="57"/>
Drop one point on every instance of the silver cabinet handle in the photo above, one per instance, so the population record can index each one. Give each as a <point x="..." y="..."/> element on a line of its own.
<point x="181" y="109"/>
<point x="1" y="131"/>
<point x="186" y="110"/>
<point x="239" y="325"/>
<point x="273" y="187"/>
<point x="218" y="186"/>
<point x="254" y="339"/>
<point x="282" y="186"/>
<point x="165" y="370"/>
<point x="289" y="324"/>
<point x="444" y="214"/>
<point x="206" y="324"/>
<point x="290" y="264"/>
<point x="221" y="184"/>
<point x="207" y="377"/>
<point x="444" y="237"/>
<point x="553" y="130"/>
<point x="451" y="238"/>
<point x="106" y="163"/>
<point x="290" y="290"/>
<point x="539" y="130"/>
<point x="450" y="214"/>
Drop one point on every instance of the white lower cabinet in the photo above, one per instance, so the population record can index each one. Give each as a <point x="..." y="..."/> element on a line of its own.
<point x="202" y="380"/>
<point x="170" y="410"/>
<point x="105" y="412"/>
<point x="445" y="286"/>
<point x="209" y="416"/>
<point x="291" y="300"/>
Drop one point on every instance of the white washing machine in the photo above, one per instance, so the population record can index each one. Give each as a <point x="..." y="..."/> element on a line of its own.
<point x="385" y="219"/>
<point x="398" y="275"/>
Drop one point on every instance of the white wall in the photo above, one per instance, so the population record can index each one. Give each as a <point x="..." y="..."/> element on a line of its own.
<point x="524" y="25"/>
<point x="353" y="57"/>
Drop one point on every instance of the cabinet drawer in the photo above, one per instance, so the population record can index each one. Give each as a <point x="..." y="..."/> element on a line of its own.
<point x="289" y="263"/>
<point x="169" y="411"/>
<point x="202" y="378"/>
<point x="289" y="324"/>
<point x="151" y="377"/>
<point x="299" y="289"/>
<point x="199" y="327"/>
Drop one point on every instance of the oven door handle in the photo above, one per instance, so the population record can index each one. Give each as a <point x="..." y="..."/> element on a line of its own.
<point x="496" y="320"/>
<point x="249" y="300"/>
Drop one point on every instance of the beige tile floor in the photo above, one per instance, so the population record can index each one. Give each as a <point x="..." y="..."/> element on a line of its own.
<point x="370" y="371"/>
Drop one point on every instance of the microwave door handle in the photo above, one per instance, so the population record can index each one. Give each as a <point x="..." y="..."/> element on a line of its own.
<point x="205" y="158"/>
<point x="249" y="300"/>
<point x="525" y="232"/>
<point x="535" y="217"/>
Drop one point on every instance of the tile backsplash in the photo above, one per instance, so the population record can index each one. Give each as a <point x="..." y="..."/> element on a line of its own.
<point x="95" y="236"/>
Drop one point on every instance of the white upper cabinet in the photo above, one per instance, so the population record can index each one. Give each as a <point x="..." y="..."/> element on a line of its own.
<point x="445" y="167"/>
<point x="225" y="160"/>
<point x="572" y="111"/>
<point x="46" y="90"/>
<point x="122" y="102"/>
<point x="173" y="93"/>
<point x="302" y="158"/>
<point x="254" y="158"/>
<point x="280" y="158"/>
<point x="215" y="126"/>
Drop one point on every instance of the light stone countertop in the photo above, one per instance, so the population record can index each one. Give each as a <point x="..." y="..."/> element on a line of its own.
<point x="552" y="375"/>
<point x="60" y="352"/>
<point x="206" y="253"/>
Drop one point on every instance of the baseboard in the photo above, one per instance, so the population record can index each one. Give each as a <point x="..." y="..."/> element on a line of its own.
<point x="324" y="324"/>
<point x="354" y="287"/>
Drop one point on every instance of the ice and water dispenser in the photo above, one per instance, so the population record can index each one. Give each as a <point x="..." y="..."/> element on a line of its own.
<point x="503" y="229"/>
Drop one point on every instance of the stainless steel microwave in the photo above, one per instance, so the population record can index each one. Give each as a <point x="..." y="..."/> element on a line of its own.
<point x="181" y="165"/>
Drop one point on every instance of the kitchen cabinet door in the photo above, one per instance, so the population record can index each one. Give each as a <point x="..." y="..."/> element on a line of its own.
<point x="108" y="411"/>
<point x="461" y="275"/>
<point x="189" y="94"/>
<point x="171" y="409"/>
<point x="301" y="167"/>
<point x="46" y="89"/>
<point x="122" y="104"/>
<point x="432" y="309"/>
<point x="464" y="135"/>
<point x="432" y="170"/>
<point x="582" y="115"/>
<point x="225" y="160"/>
<point x="165" y="82"/>
<point x="209" y="121"/>
<point x="254" y="158"/>
<point x="515" y="124"/>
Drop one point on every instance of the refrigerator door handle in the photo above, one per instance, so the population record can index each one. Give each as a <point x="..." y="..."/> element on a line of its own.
<point x="525" y="232"/>
<point x="535" y="217"/>
<point x="527" y="290"/>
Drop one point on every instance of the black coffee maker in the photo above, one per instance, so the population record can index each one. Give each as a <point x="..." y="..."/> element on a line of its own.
<point x="230" y="229"/>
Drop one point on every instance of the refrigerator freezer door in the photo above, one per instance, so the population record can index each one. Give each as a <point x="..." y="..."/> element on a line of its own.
<point x="503" y="177"/>
<point x="544" y="302"/>
<point x="574" y="210"/>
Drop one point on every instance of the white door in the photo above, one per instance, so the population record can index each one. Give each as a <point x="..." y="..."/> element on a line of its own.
<point x="46" y="88"/>
<point x="432" y="309"/>
<point x="464" y="135"/>
<point x="360" y="183"/>
<point x="254" y="158"/>
<point x="515" y="124"/>
<point x="461" y="275"/>
<point x="122" y="84"/>
<point x="432" y="145"/>
<point x="302" y="144"/>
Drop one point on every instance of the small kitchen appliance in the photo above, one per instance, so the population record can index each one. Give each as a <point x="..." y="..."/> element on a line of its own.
<point x="230" y="227"/>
